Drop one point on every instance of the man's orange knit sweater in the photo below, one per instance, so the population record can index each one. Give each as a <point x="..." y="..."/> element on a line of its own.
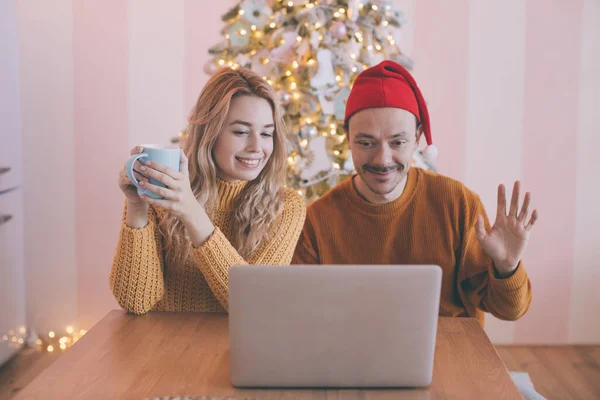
<point x="433" y="222"/>
<point x="141" y="279"/>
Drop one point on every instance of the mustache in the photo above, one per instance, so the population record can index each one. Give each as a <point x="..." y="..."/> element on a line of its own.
<point x="382" y="169"/>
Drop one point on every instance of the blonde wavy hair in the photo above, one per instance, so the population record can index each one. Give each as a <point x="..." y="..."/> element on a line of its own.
<point x="261" y="201"/>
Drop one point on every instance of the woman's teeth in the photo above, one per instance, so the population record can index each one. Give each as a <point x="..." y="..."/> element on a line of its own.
<point x="248" y="161"/>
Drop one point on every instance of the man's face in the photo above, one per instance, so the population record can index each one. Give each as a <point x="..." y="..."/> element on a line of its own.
<point x="382" y="142"/>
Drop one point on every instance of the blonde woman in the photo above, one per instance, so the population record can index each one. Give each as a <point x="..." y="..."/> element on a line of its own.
<point x="228" y="205"/>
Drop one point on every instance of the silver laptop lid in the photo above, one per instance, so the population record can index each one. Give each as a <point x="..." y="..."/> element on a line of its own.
<point x="333" y="326"/>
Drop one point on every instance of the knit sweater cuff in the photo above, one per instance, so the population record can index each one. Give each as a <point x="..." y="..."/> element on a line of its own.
<point x="513" y="282"/>
<point x="136" y="277"/>
<point x="147" y="232"/>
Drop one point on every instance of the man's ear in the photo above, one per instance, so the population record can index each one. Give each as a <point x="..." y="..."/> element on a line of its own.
<point x="419" y="133"/>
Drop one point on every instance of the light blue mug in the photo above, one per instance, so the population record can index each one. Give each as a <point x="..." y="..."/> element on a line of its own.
<point x="167" y="156"/>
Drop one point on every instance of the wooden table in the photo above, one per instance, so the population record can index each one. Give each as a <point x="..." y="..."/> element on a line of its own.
<point x="169" y="354"/>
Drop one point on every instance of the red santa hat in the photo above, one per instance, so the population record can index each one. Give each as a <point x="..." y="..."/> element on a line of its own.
<point x="388" y="84"/>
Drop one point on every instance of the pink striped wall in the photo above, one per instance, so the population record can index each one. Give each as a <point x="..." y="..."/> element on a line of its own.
<point x="202" y="27"/>
<point x="440" y="50"/>
<point x="100" y="144"/>
<point x="512" y="87"/>
<point x="46" y="86"/>
<point x="549" y="160"/>
<point x="584" y="326"/>
<point x="155" y="54"/>
<point x="495" y="110"/>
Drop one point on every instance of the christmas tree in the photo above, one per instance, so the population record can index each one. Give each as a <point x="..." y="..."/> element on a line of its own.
<point x="311" y="51"/>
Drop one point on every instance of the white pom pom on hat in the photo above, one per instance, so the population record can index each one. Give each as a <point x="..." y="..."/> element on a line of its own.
<point x="430" y="153"/>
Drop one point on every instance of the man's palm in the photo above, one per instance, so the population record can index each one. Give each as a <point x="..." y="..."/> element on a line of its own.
<point x="507" y="240"/>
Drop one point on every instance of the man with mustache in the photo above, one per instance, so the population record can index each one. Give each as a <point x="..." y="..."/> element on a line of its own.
<point x="392" y="213"/>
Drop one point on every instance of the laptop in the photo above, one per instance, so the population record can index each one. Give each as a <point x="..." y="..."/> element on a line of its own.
<point x="333" y="326"/>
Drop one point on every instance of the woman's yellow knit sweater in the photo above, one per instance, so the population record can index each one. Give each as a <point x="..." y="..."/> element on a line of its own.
<point x="141" y="281"/>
